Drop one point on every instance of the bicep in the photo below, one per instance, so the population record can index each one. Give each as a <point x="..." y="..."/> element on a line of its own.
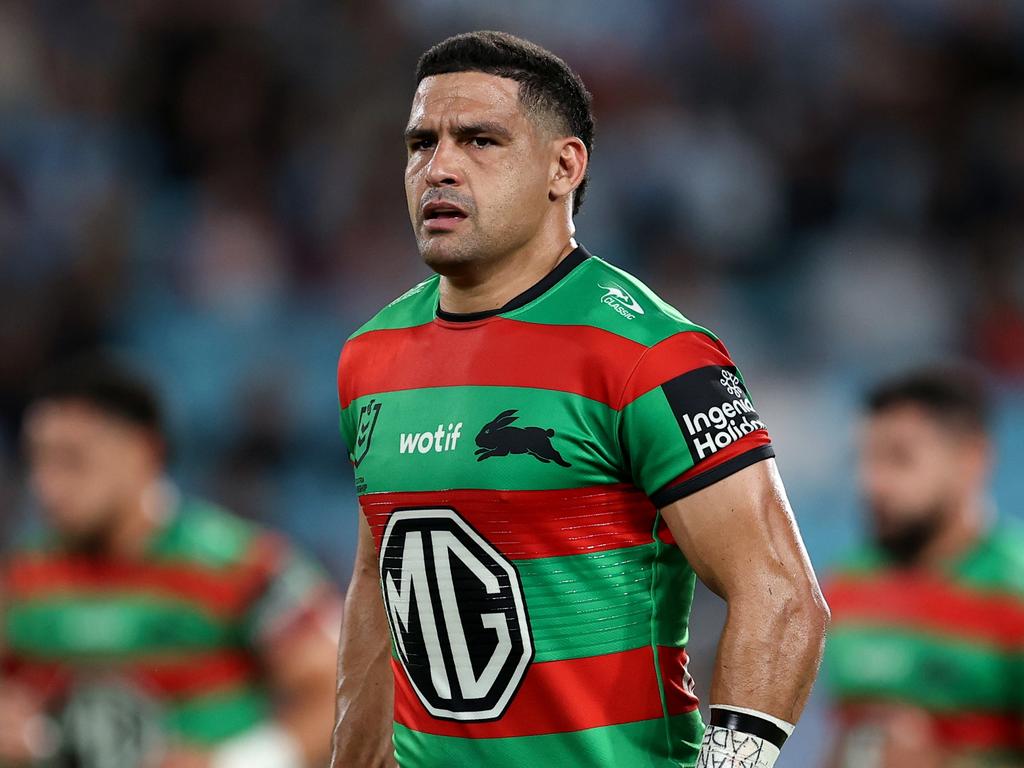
<point x="740" y="535"/>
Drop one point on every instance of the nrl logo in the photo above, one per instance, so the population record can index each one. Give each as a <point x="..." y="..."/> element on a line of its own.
<point x="364" y="430"/>
<point x="619" y="299"/>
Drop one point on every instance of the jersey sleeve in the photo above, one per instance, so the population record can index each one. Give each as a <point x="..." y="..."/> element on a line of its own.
<point x="687" y="419"/>
<point x="294" y="591"/>
<point x="345" y="420"/>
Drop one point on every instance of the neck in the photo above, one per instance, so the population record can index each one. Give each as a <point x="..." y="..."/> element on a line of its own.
<point x="490" y="286"/>
<point x="962" y="531"/>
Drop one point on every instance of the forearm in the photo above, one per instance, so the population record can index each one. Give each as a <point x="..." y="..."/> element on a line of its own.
<point x="770" y="650"/>
<point x="365" y="690"/>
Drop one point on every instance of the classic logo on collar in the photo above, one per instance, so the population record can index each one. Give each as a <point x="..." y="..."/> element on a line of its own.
<point x="619" y="299"/>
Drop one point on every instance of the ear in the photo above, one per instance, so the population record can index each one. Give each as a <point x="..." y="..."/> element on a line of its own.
<point x="976" y="458"/>
<point x="568" y="168"/>
<point x="504" y="419"/>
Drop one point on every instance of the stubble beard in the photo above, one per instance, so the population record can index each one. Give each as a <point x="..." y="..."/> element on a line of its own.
<point x="454" y="255"/>
<point x="905" y="542"/>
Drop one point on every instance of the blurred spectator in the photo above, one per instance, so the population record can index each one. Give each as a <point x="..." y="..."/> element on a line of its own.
<point x="141" y="628"/>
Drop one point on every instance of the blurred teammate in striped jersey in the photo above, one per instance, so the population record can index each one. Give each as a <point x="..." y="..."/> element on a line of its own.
<point x="142" y="628"/>
<point x="926" y="656"/>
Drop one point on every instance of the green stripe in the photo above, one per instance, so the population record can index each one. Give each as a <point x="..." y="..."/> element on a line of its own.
<point x="650" y="430"/>
<point x="70" y="626"/>
<point x="414" y="307"/>
<point x="939" y="673"/>
<point x="636" y="745"/>
<point x="994" y="568"/>
<point x="584" y="435"/>
<point x="203" y="535"/>
<point x="602" y="602"/>
<point x="579" y="302"/>
<point x="585" y="605"/>
<point x="214" y="718"/>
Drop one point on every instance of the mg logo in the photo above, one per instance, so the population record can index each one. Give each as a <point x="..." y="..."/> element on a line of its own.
<point x="457" y="614"/>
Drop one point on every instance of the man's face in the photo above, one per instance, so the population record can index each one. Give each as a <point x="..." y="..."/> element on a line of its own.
<point x="914" y="470"/>
<point x="85" y="466"/>
<point x="478" y="172"/>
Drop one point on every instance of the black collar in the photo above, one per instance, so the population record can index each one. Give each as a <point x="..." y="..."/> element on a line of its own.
<point x="576" y="257"/>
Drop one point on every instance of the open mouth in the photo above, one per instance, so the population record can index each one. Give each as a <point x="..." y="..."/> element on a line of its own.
<point x="442" y="213"/>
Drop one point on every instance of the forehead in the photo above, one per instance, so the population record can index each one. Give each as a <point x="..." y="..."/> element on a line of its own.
<point x="62" y="418"/>
<point x="461" y="97"/>
<point x="908" y="422"/>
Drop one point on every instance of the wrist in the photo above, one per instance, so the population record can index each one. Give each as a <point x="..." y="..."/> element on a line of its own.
<point x="738" y="737"/>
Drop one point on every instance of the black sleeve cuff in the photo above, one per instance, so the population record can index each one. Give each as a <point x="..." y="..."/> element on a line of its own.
<point x="671" y="493"/>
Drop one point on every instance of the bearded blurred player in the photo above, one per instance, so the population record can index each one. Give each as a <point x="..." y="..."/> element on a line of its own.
<point x="926" y="656"/>
<point x="142" y="628"/>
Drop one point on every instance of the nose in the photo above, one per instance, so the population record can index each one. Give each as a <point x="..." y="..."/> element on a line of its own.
<point x="443" y="168"/>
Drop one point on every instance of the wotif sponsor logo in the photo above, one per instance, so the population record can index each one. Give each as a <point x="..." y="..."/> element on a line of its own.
<point x="721" y="425"/>
<point x="440" y="440"/>
<point x="619" y="299"/>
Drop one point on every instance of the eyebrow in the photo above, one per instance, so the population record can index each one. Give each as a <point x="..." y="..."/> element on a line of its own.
<point x="462" y="131"/>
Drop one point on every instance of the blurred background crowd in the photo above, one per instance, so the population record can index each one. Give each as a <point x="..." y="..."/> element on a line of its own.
<point x="215" y="189"/>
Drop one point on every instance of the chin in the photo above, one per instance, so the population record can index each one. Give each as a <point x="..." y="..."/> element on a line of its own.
<point x="446" y="258"/>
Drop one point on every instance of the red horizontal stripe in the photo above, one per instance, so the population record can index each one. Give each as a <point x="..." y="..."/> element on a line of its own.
<point x="926" y="603"/>
<point x="676" y="355"/>
<point x="579" y="359"/>
<point x="165" y="677"/>
<point x="221" y="592"/>
<point x="561" y="696"/>
<point x="531" y="524"/>
<point x="957" y="731"/>
<point x="980" y="731"/>
<point x="198" y="675"/>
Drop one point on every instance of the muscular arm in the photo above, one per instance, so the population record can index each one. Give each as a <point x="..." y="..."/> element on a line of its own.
<point x="365" y="693"/>
<point x="741" y="539"/>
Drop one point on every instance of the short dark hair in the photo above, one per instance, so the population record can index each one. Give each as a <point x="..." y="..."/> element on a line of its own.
<point x="106" y="384"/>
<point x="955" y="395"/>
<point x="546" y="83"/>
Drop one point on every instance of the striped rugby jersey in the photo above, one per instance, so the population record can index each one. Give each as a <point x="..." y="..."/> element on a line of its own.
<point x="950" y="643"/>
<point x="511" y="465"/>
<point x="130" y="655"/>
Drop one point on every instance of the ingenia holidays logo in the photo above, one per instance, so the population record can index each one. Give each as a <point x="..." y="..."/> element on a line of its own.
<point x="713" y="409"/>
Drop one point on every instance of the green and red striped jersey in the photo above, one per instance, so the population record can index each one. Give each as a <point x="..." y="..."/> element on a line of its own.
<point x="171" y="641"/>
<point x="948" y="642"/>
<point x="511" y="466"/>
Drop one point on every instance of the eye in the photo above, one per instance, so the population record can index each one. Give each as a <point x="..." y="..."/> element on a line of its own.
<point x="421" y="144"/>
<point x="480" y="142"/>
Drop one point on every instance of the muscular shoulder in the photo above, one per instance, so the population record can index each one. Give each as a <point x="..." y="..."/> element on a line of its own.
<point x="208" y="535"/>
<point x="999" y="562"/>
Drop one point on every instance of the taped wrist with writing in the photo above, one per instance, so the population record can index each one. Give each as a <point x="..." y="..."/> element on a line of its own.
<point x="742" y="738"/>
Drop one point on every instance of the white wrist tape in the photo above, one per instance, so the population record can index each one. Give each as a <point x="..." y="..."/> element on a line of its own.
<point x="268" y="746"/>
<point x="742" y="738"/>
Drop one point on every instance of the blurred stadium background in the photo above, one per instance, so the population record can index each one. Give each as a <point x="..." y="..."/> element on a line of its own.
<point x="214" y="188"/>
